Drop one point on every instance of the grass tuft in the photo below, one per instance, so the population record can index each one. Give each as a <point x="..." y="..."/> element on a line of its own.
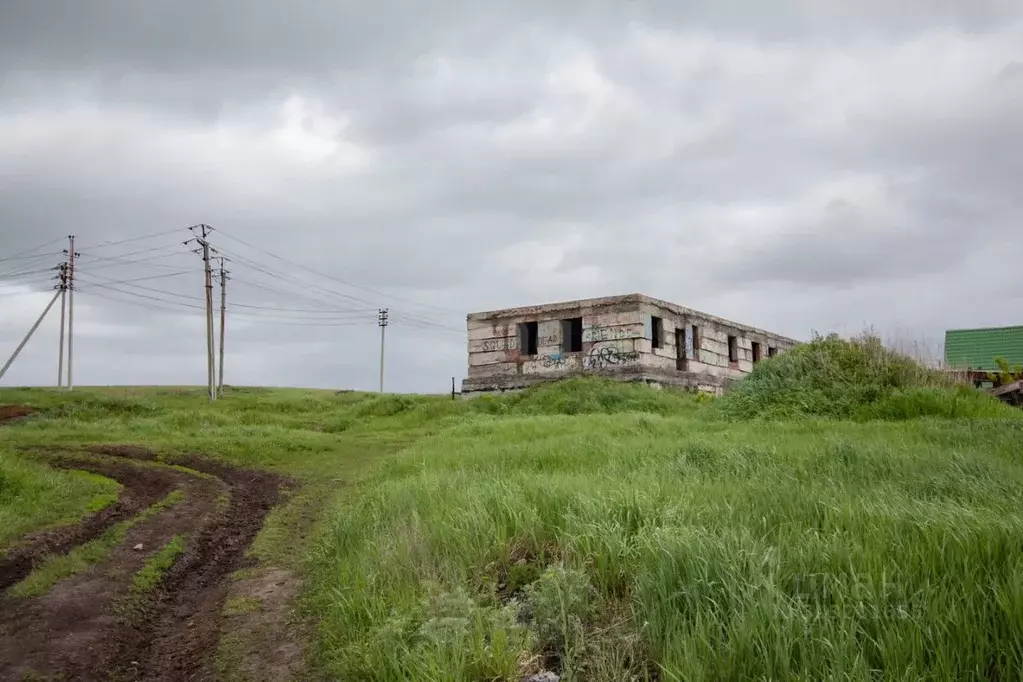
<point x="59" y="567"/>
<point x="34" y="497"/>
<point x="857" y="378"/>
<point x="149" y="576"/>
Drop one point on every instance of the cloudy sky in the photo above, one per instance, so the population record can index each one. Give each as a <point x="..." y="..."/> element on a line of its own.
<point x="798" y="165"/>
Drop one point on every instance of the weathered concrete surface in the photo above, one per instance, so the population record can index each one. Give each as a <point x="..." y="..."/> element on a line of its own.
<point x="617" y="341"/>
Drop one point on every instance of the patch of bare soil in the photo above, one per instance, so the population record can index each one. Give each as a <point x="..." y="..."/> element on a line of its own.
<point x="264" y="638"/>
<point x="66" y="633"/>
<point x="84" y="630"/>
<point x="12" y="412"/>
<point x="142" y="487"/>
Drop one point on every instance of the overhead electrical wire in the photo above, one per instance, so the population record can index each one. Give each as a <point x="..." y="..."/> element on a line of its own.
<point x="255" y="317"/>
<point x="14" y="275"/>
<point x="322" y="301"/>
<point x="423" y="322"/>
<point x="146" y="262"/>
<point x="120" y="256"/>
<point x="25" y="260"/>
<point x="142" y="279"/>
<point x="331" y="277"/>
<point x="175" y="230"/>
<point x="29" y="251"/>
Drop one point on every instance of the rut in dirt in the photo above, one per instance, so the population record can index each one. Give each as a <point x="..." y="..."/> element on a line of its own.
<point x="176" y="640"/>
<point x="12" y="412"/>
<point x="172" y="634"/>
<point x="142" y="487"/>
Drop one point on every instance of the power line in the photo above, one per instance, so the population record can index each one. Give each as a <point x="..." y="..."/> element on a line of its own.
<point x="32" y="250"/>
<point x="13" y="275"/>
<point x="422" y="321"/>
<point x="129" y="301"/>
<point x="25" y="260"/>
<point x="336" y="279"/>
<point x="295" y="281"/>
<point x="153" y="289"/>
<point x="121" y="256"/>
<point x="257" y="318"/>
<point x="292" y="295"/>
<point x="135" y="293"/>
<point x="134" y="239"/>
<point x="142" y="279"/>
<point x="137" y="261"/>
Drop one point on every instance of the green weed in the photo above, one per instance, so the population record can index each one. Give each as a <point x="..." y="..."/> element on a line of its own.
<point x="150" y="575"/>
<point x="56" y="568"/>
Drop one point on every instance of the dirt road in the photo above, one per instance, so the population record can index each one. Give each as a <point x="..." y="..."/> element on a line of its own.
<point x="97" y="625"/>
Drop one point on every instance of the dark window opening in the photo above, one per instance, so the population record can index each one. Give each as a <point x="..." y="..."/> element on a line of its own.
<point x="756" y="352"/>
<point x="572" y="335"/>
<point x="771" y="351"/>
<point x="529" y="334"/>
<point x="656" y="332"/>
<point x="696" y="343"/>
<point x="681" y="359"/>
<point x="733" y="349"/>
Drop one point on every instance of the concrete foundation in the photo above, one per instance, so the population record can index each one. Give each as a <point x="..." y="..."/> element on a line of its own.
<point x="632" y="338"/>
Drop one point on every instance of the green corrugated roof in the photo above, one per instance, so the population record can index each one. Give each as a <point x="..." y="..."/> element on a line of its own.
<point x="978" y="348"/>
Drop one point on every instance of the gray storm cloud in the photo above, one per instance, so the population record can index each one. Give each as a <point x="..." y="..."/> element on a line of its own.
<point x="821" y="165"/>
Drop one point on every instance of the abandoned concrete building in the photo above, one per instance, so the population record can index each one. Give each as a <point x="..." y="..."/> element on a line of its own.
<point x="632" y="338"/>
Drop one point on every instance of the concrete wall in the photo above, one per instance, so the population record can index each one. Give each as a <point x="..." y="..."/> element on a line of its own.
<point x="617" y="342"/>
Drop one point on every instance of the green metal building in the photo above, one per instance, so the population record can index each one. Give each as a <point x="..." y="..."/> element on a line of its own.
<point x="978" y="348"/>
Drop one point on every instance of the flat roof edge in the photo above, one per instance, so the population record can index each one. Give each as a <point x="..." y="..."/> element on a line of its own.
<point x="1014" y="327"/>
<point x="540" y="308"/>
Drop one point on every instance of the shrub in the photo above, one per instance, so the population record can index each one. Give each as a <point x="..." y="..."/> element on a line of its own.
<point x="854" y="378"/>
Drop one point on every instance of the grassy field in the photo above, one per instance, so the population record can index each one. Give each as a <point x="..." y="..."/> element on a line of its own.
<point x="842" y="515"/>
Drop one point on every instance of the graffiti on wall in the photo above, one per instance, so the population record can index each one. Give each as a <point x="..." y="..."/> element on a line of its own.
<point x="550" y="340"/>
<point x="597" y="334"/>
<point x="553" y="361"/>
<point x="495" y="344"/>
<point x="608" y="355"/>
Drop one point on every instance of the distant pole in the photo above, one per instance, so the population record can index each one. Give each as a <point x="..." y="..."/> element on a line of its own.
<point x="29" y="335"/>
<point x="382" y="321"/>
<point x="209" y="319"/>
<point x="71" y="311"/>
<point x="452" y="388"/>
<point x="223" y="316"/>
<point x="201" y="238"/>
<point x="63" y="323"/>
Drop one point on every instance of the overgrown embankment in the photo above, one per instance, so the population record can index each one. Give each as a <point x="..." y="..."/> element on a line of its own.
<point x="853" y="379"/>
<point x="606" y="532"/>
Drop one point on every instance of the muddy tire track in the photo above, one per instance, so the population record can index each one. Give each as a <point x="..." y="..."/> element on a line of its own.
<point x="142" y="487"/>
<point x="65" y="633"/>
<point x="171" y="633"/>
<point x="11" y="412"/>
<point x="176" y="643"/>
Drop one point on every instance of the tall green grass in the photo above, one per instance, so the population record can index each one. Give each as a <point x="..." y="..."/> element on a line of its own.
<point x="34" y="496"/>
<point x="630" y="534"/>
<point x="842" y="514"/>
<point x="857" y="378"/>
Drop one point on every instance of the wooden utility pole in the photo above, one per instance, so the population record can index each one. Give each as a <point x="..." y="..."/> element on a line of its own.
<point x="201" y="238"/>
<point x="382" y="321"/>
<point x="223" y="316"/>
<point x="63" y="322"/>
<point x="71" y="310"/>
<point x="29" y="335"/>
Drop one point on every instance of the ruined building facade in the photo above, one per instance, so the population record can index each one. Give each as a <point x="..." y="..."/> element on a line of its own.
<point x="633" y="338"/>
